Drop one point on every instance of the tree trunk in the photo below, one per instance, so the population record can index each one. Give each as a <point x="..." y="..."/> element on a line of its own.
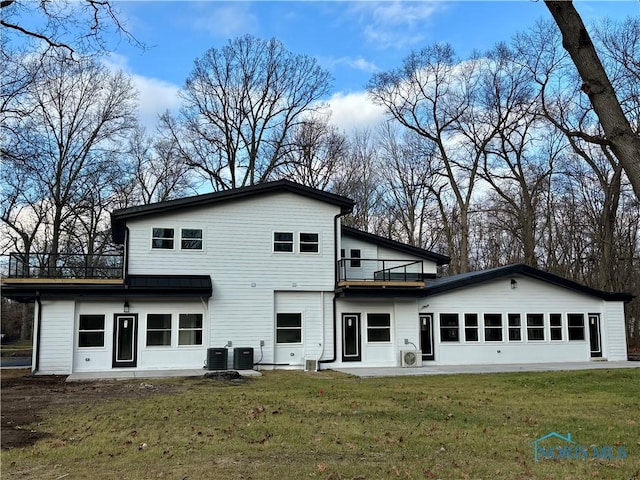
<point x="625" y="144"/>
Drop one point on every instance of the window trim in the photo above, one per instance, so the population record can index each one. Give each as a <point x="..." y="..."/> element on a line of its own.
<point x="514" y="328"/>
<point x="298" y="329"/>
<point x="379" y="328"/>
<point x="469" y="327"/>
<point x="492" y="328"/>
<point x="172" y="238"/>
<point x="531" y="317"/>
<point x="316" y="243"/>
<point x="451" y="328"/>
<point x="571" y="329"/>
<point x="147" y="330"/>
<point x="275" y="242"/>
<point x="182" y="239"/>
<point x="90" y="331"/>
<point x="191" y="329"/>
<point x="555" y="328"/>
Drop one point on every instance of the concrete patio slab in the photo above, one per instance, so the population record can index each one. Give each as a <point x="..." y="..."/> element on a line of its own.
<point x="368" y="372"/>
<point x="129" y="374"/>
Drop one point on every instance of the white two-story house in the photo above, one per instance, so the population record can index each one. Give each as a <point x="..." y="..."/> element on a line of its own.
<point x="266" y="276"/>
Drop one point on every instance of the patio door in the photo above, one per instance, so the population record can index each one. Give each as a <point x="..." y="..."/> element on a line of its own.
<point x="125" y="340"/>
<point x="594" y="336"/>
<point x="426" y="337"/>
<point x="351" y="337"/>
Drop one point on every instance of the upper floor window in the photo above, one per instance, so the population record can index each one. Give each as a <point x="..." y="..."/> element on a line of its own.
<point x="91" y="331"/>
<point x="283" y="242"/>
<point x="162" y="238"/>
<point x="191" y="239"/>
<point x="355" y="257"/>
<point x="309" y="243"/>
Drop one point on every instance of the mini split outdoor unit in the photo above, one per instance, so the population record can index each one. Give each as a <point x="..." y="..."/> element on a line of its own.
<point x="410" y="358"/>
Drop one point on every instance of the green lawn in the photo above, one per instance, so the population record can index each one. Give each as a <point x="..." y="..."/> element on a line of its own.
<point x="294" y="425"/>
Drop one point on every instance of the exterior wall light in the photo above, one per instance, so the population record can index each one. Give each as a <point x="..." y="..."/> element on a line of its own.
<point x="126" y="306"/>
<point x="514" y="284"/>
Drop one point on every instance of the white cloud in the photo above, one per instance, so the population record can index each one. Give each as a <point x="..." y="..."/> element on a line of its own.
<point x="228" y="21"/>
<point x="155" y="96"/>
<point x="354" y="111"/>
<point x="396" y="23"/>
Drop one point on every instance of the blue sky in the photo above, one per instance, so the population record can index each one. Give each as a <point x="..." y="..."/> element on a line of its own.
<point x="350" y="39"/>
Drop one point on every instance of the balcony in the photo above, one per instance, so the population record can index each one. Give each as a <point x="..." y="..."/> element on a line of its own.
<point x="64" y="268"/>
<point x="363" y="272"/>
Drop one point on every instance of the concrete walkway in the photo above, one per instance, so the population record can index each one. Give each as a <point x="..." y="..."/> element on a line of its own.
<point x="129" y="374"/>
<point x="367" y="372"/>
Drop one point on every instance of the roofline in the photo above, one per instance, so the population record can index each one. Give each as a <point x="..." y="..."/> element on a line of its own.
<point x="528" y="271"/>
<point x="394" y="245"/>
<point x="120" y="216"/>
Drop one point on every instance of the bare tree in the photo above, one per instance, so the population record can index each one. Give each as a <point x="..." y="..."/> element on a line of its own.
<point x="618" y="134"/>
<point x="64" y="26"/>
<point x="78" y="113"/>
<point x="318" y="152"/>
<point x="240" y="103"/>
<point x="436" y="96"/>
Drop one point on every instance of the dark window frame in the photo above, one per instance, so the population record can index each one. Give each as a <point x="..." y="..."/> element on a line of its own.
<point x="449" y="327"/>
<point x="160" y="240"/>
<point x="535" y="327"/>
<point x="491" y="331"/>
<point x="85" y="334"/>
<point x="199" y="339"/>
<point x="555" y="327"/>
<point x="281" y="245"/>
<point x="471" y="327"/>
<point x="309" y="246"/>
<point x="378" y="330"/>
<point x="355" y="253"/>
<point x="286" y="329"/>
<point x="576" y="333"/>
<point x="154" y="331"/>
<point x="185" y="242"/>
<point x="514" y="328"/>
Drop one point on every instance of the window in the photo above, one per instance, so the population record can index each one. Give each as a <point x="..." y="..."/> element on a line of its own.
<point x="191" y="239"/>
<point x="378" y="327"/>
<point x="493" y="327"/>
<point x="289" y="328"/>
<point x="190" y="329"/>
<point x="575" y="323"/>
<point x="449" y="327"/>
<point x="308" y="243"/>
<point x="158" y="329"/>
<point x="283" y="242"/>
<point x="515" y="334"/>
<point x="355" y="253"/>
<point x="535" y="326"/>
<point x="91" y="331"/>
<point x="162" y="238"/>
<point x="555" y="322"/>
<point x="471" y="327"/>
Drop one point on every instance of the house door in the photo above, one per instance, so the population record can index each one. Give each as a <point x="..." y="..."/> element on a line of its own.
<point x="125" y="340"/>
<point x="594" y="335"/>
<point x="426" y="337"/>
<point x="351" y="337"/>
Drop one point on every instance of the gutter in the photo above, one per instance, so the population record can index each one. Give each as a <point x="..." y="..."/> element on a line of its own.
<point x="36" y="360"/>
<point x="336" y="233"/>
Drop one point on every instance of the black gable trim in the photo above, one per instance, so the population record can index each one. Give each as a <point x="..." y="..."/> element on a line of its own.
<point x="119" y="217"/>
<point x="454" y="282"/>
<point x="401" y="247"/>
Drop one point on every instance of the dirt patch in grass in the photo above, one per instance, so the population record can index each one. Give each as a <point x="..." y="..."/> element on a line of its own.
<point x="26" y="397"/>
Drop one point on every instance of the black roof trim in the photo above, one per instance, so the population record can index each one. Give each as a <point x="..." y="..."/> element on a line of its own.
<point x="399" y="246"/>
<point x="136" y="286"/>
<point x="381" y="292"/>
<point x="119" y="217"/>
<point x="445" y="284"/>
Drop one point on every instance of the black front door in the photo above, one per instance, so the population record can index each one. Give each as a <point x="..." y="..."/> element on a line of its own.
<point x="351" y="337"/>
<point x="125" y="340"/>
<point x="426" y="337"/>
<point x="594" y="335"/>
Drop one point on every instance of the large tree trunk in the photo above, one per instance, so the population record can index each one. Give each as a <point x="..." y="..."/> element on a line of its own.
<point x="625" y="144"/>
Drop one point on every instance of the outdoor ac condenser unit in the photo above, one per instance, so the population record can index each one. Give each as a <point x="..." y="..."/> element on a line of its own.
<point x="310" y="365"/>
<point x="410" y="358"/>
